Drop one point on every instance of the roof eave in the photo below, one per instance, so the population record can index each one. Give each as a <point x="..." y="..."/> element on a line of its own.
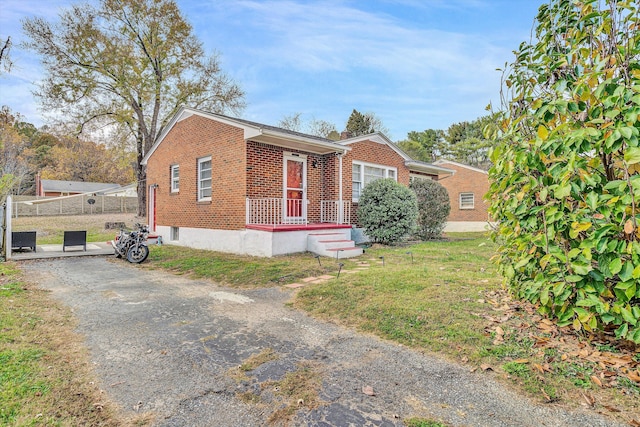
<point x="428" y="168"/>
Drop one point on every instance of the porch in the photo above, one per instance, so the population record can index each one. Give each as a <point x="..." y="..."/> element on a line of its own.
<point x="284" y="214"/>
<point x="283" y="226"/>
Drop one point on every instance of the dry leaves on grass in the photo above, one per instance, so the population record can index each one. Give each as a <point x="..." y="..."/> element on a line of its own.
<point x="611" y="364"/>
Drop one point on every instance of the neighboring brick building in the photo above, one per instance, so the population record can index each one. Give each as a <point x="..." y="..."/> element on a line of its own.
<point x="466" y="188"/>
<point x="237" y="186"/>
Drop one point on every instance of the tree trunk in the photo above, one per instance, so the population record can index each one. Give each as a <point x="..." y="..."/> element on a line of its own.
<point x="141" y="175"/>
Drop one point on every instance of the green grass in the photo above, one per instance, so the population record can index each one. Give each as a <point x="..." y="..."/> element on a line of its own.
<point x="239" y="270"/>
<point x="44" y="379"/>
<point x="427" y="301"/>
<point x="423" y="422"/>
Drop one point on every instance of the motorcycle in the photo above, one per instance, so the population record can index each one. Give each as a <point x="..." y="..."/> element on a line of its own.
<point x="132" y="244"/>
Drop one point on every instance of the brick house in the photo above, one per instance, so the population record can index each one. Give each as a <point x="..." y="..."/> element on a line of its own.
<point x="232" y="185"/>
<point x="466" y="188"/>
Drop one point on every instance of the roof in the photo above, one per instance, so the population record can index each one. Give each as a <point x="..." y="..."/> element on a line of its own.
<point x="410" y="163"/>
<point x="256" y="132"/>
<point x="461" y="165"/>
<point x="52" y="185"/>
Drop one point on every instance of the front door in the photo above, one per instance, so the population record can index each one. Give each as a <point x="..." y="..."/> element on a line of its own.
<point x="295" y="187"/>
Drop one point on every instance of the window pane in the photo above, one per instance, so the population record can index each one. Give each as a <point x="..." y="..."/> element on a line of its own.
<point x="356" y="173"/>
<point x="355" y="192"/>
<point x="371" y="174"/>
<point x="392" y="173"/>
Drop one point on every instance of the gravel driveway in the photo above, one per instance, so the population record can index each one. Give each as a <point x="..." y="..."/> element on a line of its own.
<point x="165" y="344"/>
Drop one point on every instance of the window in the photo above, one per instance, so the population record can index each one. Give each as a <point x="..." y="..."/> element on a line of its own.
<point x="204" y="179"/>
<point x="364" y="173"/>
<point x="175" y="178"/>
<point x="175" y="234"/>
<point x="357" y="181"/>
<point x="415" y="177"/>
<point x="466" y="201"/>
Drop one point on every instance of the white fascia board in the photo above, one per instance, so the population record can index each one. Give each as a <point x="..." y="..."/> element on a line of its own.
<point x="414" y="165"/>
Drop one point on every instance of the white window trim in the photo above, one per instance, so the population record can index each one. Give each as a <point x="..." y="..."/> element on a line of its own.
<point x="385" y="168"/>
<point x="200" y="188"/>
<point x="175" y="181"/>
<point x="473" y="200"/>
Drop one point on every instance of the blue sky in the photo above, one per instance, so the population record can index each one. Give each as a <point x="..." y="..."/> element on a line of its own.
<point x="416" y="64"/>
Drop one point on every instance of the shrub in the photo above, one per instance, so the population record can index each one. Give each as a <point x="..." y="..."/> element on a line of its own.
<point x="387" y="211"/>
<point x="566" y="177"/>
<point x="433" y="208"/>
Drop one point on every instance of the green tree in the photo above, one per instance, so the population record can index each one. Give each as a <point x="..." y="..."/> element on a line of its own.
<point x="130" y="63"/>
<point x="387" y="211"/>
<point x="565" y="184"/>
<point x="426" y="146"/>
<point x="433" y="208"/>
<point x="363" y="124"/>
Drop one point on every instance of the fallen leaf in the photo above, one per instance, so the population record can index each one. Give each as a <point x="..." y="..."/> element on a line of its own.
<point x="486" y="367"/>
<point x="634" y="376"/>
<point x="499" y="331"/>
<point x="538" y="367"/>
<point x="464" y="359"/>
<point x="368" y="390"/>
<point x="611" y="408"/>
<point x="634" y="423"/>
<point x="546" y="396"/>
<point x="596" y="380"/>
<point x="628" y="227"/>
<point x="589" y="399"/>
<point x="521" y="361"/>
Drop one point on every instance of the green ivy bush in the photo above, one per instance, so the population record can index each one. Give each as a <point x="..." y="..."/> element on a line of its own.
<point x="387" y="211"/>
<point x="565" y="181"/>
<point x="433" y="208"/>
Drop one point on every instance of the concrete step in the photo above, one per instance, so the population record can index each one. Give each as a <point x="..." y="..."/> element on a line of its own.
<point x="334" y="245"/>
<point x="341" y="253"/>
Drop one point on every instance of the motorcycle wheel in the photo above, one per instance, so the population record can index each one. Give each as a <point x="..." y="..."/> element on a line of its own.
<point x="137" y="254"/>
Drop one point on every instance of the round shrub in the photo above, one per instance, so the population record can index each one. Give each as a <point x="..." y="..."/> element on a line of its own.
<point x="433" y="208"/>
<point x="387" y="211"/>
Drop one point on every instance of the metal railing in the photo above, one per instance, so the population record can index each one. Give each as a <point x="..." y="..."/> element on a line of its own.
<point x="335" y="211"/>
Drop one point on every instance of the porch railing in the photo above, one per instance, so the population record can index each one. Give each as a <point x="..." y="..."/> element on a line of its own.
<point x="274" y="211"/>
<point x="335" y="211"/>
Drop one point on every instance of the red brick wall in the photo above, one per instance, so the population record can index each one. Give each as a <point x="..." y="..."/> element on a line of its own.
<point x="375" y="153"/>
<point x="190" y="139"/>
<point x="265" y="175"/>
<point x="466" y="181"/>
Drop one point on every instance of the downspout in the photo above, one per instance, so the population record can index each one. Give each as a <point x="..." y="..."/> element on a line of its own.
<point x="340" y="203"/>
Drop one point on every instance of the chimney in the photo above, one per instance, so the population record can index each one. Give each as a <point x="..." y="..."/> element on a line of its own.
<point x="345" y="135"/>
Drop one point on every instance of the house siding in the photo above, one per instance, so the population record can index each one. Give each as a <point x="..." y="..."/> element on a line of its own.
<point x="466" y="180"/>
<point x="190" y="139"/>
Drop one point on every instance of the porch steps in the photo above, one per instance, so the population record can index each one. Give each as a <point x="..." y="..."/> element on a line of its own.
<point x="334" y="245"/>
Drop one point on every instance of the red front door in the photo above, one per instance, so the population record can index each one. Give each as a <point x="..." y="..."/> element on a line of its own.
<point x="294" y="191"/>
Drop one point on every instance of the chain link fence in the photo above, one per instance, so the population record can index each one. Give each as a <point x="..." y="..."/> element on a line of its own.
<point x="74" y="205"/>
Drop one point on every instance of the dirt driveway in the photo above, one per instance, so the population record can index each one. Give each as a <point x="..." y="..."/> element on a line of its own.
<point x="165" y="345"/>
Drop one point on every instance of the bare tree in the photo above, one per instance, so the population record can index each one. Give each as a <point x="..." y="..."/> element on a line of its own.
<point x="130" y="63"/>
